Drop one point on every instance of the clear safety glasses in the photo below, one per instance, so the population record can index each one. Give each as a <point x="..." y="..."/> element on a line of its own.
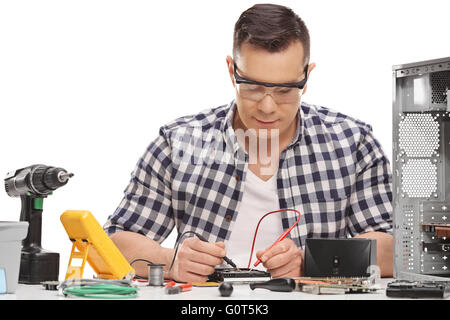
<point x="280" y="92"/>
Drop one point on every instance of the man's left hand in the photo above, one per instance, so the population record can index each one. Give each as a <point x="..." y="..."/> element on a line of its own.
<point x="283" y="260"/>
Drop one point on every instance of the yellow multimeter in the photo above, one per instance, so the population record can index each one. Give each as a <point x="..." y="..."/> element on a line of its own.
<point x="91" y="243"/>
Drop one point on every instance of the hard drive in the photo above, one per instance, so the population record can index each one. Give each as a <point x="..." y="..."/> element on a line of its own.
<point x="417" y="289"/>
<point x="242" y="275"/>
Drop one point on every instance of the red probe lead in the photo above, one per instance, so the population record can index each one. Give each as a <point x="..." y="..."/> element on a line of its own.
<point x="278" y="240"/>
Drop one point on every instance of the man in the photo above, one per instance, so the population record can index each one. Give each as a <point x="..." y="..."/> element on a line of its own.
<point x="217" y="173"/>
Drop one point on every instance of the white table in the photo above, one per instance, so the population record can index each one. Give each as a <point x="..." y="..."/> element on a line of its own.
<point x="206" y="303"/>
<point x="240" y="292"/>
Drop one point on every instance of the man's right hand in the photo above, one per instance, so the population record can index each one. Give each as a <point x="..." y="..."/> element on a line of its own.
<point x="196" y="259"/>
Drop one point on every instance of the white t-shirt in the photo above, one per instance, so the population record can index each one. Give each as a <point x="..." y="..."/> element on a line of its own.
<point x="259" y="198"/>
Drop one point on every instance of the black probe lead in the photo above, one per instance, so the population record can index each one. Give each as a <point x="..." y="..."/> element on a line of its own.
<point x="228" y="260"/>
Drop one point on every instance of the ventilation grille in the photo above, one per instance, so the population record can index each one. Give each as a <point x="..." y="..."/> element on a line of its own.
<point x="419" y="178"/>
<point x="440" y="83"/>
<point x="419" y="135"/>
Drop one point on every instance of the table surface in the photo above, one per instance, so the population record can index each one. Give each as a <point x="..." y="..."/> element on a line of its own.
<point x="240" y="292"/>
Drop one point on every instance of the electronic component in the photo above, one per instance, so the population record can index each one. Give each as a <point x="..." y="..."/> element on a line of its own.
<point x="242" y="275"/>
<point x="417" y="289"/>
<point x="439" y="230"/>
<point x="436" y="247"/>
<point x="336" y="285"/>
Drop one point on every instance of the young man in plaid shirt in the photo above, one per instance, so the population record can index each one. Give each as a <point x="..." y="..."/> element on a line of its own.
<point x="218" y="172"/>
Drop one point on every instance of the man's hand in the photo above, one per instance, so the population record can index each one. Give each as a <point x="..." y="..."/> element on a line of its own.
<point x="196" y="260"/>
<point x="283" y="260"/>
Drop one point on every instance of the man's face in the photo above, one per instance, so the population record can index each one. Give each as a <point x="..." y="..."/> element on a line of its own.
<point x="258" y="64"/>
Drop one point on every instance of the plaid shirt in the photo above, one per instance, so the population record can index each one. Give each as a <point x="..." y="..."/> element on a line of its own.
<point x="193" y="175"/>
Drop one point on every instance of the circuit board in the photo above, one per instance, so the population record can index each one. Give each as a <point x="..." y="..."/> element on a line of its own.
<point x="336" y="285"/>
<point x="238" y="275"/>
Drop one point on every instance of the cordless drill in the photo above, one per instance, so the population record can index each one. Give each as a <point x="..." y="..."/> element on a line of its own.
<point x="32" y="184"/>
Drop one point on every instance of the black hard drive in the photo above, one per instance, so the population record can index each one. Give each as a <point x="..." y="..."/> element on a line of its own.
<point x="417" y="289"/>
<point x="238" y="275"/>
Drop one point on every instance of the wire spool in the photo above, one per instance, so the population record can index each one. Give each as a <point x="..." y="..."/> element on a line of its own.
<point x="155" y="275"/>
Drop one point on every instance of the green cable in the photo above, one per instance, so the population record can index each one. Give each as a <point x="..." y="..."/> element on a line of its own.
<point x="102" y="291"/>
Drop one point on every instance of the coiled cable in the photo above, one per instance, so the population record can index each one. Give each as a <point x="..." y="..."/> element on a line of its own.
<point x="99" y="288"/>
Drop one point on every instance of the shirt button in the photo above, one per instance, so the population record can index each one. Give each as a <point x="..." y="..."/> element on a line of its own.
<point x="238" y="178"/>
<point x="228" y="218"/>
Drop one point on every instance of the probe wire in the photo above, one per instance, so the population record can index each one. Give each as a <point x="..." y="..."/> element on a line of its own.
<point x="279" y="239"/>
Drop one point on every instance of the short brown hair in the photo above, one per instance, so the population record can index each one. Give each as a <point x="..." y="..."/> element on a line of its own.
<point x="271" y="27"/>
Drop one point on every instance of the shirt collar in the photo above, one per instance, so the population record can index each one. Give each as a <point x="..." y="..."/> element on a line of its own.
<point x="231" y="139"/>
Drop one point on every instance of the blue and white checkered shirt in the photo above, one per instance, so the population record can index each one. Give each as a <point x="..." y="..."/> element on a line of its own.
<point x="193" y="175"/>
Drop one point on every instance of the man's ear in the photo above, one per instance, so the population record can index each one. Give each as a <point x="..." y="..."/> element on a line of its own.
<point x="310" y="68"/>
<point x="230" y="66"/>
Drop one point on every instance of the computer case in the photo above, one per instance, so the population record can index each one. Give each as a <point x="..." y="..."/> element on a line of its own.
<point x="421" y="170"/>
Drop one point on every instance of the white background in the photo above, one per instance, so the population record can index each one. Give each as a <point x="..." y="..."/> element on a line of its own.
<point x="85" y="85"/>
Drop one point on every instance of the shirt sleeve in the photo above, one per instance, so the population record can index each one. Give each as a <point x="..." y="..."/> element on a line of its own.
<point x="146" y="206"/>
<point x="371" y="198"/>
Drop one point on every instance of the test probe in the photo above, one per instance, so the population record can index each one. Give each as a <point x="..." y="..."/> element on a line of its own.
<point x="279" y="239"/>
<point x="226" y="259"/>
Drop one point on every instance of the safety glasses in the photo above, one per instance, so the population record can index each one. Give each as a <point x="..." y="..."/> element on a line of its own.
<point x="280" y="92"/>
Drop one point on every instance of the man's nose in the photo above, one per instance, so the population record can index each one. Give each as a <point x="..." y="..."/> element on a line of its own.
<point x="267" y="104"/>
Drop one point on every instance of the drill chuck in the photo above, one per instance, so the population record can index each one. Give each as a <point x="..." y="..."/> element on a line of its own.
<point x="53" y="178"/>
<point x="38" y="180"/>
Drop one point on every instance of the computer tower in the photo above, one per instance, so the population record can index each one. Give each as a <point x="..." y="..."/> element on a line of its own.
<point x="421" y="170"/>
